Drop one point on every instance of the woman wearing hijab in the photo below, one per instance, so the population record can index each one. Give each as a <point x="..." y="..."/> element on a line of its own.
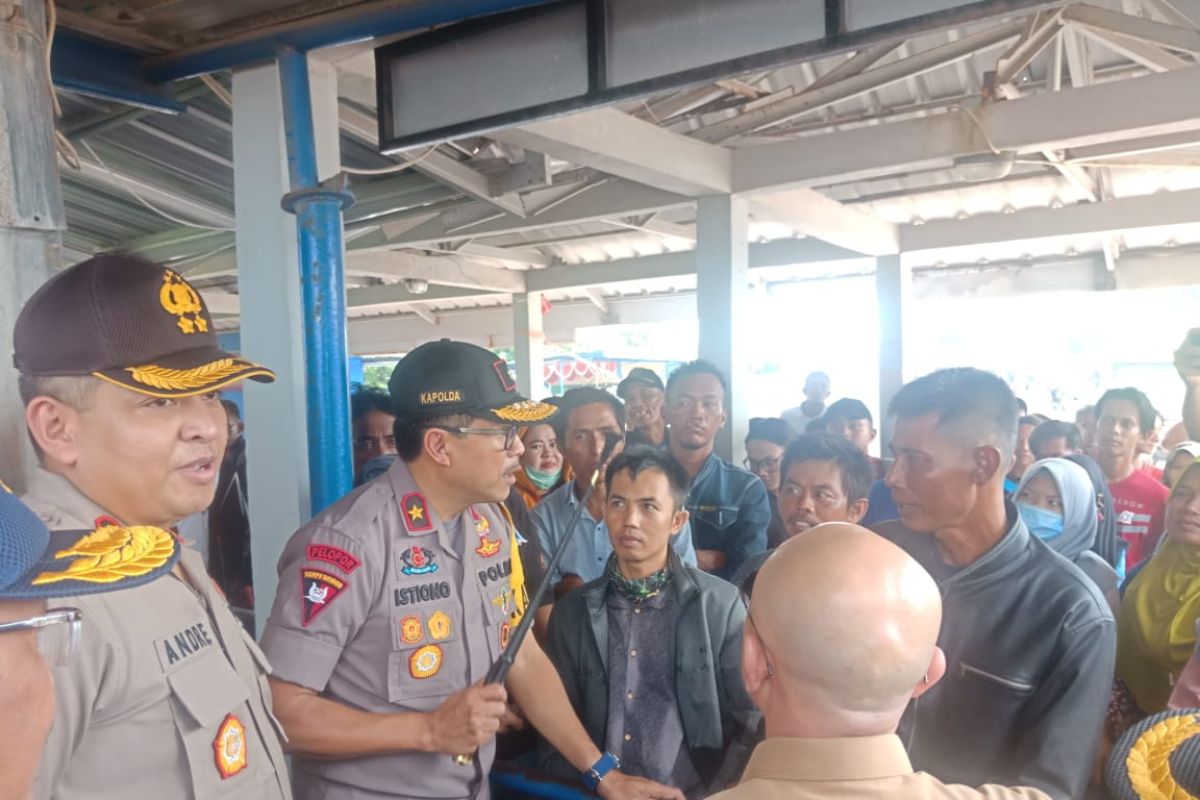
<point x="1108" y="545"/>
<point x="1058" y="504"/>
<point x="1156" y="630"/>
<point x="1181" y="457"/>
<point x="541" y="464"/>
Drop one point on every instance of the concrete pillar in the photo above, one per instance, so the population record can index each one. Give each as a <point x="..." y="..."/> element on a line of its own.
<point x="528" y="340"/>
<point x="31" y="207"/>
<point x="722" y="296"/>
<point x="893" y="287"/>
<point x="269" y="286"/>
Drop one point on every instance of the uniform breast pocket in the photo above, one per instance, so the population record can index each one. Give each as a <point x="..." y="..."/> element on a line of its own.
<point x="718" y="517"/>
<point x="428" y="661"/>
<point x="215" y="727"/>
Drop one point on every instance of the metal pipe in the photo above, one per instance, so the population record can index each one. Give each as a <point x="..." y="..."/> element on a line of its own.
<point x="318" y="211"/>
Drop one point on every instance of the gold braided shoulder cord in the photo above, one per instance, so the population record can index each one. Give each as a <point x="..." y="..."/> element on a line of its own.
<point x="110" y="553"/>
<point x="184" y="379"/>
<point x="525" y="411"/>
<point x="1148" y="763"/>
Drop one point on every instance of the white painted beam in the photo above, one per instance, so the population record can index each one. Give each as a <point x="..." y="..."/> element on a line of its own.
<point x="777" y="253"/>
<point x="510" y="255"/>
<point x="423" y="311"/>
<point x="660" y="227"/>
<point x="1049" y="120"/>
<point x="813" y="214"/>
<point x="447" y="270"/>
<point x="1113" y="216"/>
<point x="619" y="144"/>
<point x="613" y="198"/>
<point x="1175" y="37"/>
<point x="435" y="165"/>
<point x="860" y="84"/>
<point x="1150" y="56"/>
<point x="597" y="298"/>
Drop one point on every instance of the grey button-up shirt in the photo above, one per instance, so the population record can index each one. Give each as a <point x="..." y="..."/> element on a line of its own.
<point x="644" y="727"/>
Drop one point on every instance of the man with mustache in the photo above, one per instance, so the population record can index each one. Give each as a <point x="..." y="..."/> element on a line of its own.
<point x="642" y="391"/>
<point x="394" y="602"/>
<point x="665" y="637"/>
<point x="119" y="371"/>
<point x="824" y="478"/>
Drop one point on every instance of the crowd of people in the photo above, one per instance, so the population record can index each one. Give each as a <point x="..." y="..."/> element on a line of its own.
<point x="999" y="605"/>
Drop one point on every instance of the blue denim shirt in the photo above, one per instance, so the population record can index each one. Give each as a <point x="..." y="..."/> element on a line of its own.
<point x="729" y="511"/>
<point x="589" y="549"/>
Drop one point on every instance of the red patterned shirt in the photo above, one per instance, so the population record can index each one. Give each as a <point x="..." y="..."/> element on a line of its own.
<point x="1139" y="502"/>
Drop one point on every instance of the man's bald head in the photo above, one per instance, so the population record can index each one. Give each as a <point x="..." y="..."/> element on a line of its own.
<point x="849" y="624"/>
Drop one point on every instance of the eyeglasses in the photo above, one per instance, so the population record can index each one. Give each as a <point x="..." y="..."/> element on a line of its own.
<point x="509" y="432"/>
<point x="761" y="465"/>
<point x="57" y="633"/>
<point x="745" y="594"/>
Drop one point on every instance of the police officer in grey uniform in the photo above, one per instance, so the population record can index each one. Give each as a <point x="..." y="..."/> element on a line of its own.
<point x="393" y="603"/>
<point x="168" y="697"/>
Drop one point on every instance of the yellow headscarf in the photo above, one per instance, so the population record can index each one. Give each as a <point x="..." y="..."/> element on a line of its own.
<point x="1156" y="626"/>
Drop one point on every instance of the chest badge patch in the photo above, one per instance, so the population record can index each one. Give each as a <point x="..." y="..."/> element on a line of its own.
<point x="229" y="747"/>
<point x="425" y="662"/>
<point x="487" y="547"/>
<point x="418" y="561"/>
<point x="318" y="589"/>
<point x="439" y="626"/>
<point x="411" y="630"/>
<point x="416" y="514"/>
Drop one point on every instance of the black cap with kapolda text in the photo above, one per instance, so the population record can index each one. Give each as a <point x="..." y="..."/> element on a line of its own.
<point x="130" y="322"/>
<point x="447" y="377"/>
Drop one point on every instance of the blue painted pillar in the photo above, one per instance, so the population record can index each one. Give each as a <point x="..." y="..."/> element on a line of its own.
<point x="318" y="208"/>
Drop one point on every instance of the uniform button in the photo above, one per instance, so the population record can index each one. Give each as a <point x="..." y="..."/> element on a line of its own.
<point x="633" y="653"/>
<point x="629" y="695"/>
<point x="628" y="738"/>
<point x="637" y="611"/>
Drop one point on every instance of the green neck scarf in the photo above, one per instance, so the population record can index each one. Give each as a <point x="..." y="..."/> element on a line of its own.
<point x="638" y="589"/>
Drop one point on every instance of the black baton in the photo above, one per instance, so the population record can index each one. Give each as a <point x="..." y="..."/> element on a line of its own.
<point x="498" y="671"/>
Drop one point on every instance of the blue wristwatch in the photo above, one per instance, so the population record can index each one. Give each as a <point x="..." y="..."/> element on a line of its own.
<point x="606" y="764"/>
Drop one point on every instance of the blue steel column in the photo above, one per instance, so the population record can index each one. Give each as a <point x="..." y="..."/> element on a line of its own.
<point x="318" y="211"/>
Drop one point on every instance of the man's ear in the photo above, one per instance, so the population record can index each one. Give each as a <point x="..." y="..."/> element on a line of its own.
<point x="435" y="441"/>
<point x="988" y="462"/>
<point x="935" y="672"/>
<point x="679" y="520"/>
<point x="874" y="433"/>
<point x="754" y="664"/>
<point x="53" y="425"/>
<point x="856" y="511"/>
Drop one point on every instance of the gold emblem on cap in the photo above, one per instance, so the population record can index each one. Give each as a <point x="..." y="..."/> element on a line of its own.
<point x="1148" y="762"/>
<point x="178" y="380"/>
<point x="179" y="298"/>
<point x="525" y="411"/>
<point x="110" y="553"/>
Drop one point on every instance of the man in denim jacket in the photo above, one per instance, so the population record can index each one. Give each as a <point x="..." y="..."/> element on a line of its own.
<point x="729" y="508"/>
